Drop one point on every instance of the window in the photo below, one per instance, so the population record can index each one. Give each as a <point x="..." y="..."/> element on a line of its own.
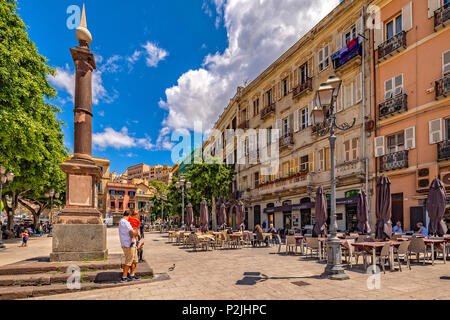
<point x="285" y="87"/>
<point x="350" y="35"/>
<point x="304" y="118"/>
<point x="120" y="205"/>
<point x="256" y="177"/>
<point x="351" y="93"/>
<point x="303" y="73"/>
<point x="113" y="204"/>
<point x="446" y="62"/>
<point x="393" y="87"/>
<point x="396" y="142"/>
<point x="285" y="126"/>
<point x="447" y="127"/>
<point x="394" y="27"/>
<point x="244" y="183"/>
<point x="324" y="58"/>
<point x="131" y="205"/>
<point x="131" y="193"/>
<point x="269" y="136"/>
<point x="304" y="163"/>
<point x="351" y="149"/>
<point x="285" y="167"/>
<point x="269" y="97"/>
<point x="294" y="165"/>
<point x="324" y="159"/>
<point x="256" y="107"/>
<point x="99" y="187"/>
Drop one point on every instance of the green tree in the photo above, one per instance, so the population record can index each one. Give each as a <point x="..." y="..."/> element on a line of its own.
<point x="210" y="180"/>
<point x="159" y="186"/>
<point x="30" y="134"/>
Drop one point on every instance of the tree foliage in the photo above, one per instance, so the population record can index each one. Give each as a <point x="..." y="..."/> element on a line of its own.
<point x="31" y="137"/>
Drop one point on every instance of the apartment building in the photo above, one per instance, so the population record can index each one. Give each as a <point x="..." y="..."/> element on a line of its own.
<point x="120" y="197"/>
<point x="150" y="173"/>
<point x="282" y="97"/>
<point x="411" y="56"/>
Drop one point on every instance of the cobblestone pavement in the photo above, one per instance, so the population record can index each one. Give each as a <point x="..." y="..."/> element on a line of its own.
<point x="259" y="273"/>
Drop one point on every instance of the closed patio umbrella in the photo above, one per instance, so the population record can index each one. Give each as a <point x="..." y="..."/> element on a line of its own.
<point x="363" y="213"/>
<point x="204" y="215"/>
<point x="189" y="217"/>
<point x="436" y="203"/>
<point x="223" y="216"/>
<point x="384" y="208"/>
<point x="240" y="213"/>
<point x="321" y="212"/>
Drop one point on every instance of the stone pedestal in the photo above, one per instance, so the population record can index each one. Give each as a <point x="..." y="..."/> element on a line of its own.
<point x="75" y="242"/>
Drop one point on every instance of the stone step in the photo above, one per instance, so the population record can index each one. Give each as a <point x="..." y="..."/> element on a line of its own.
<point x="45" y="279"/>
<point x="17" y="292"/>
<point x="113" y="262"/>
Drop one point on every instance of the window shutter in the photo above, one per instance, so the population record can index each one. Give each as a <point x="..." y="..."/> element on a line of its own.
<point x="446" y="62"/>
<point x="398" y="84"/>
<point x="338" y="41"/>
<point x="407" y="18"/>
<point x="311" y="162"/>
<point x="354" y="94"/>
<point x="310" y="107"/>
<point x="410" y="138"/>
<point x="435" y="129"/>
<point x="279" y="125"/>
<point x="379" y="146"/>
<point x="296" y="121"/>
<point x="311" y="66"/>
<point x="359" y="88"/>
<point x="388" y="88"/>
<point x="295" y="78"/>
<point x="355" y="148"/>
<point x="433" y="5"/>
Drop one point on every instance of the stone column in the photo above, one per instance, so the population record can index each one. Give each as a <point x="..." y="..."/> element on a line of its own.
<point x="79" y="232"/>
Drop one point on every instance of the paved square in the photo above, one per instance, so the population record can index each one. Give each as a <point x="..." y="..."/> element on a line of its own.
<point x="249" y="273"/>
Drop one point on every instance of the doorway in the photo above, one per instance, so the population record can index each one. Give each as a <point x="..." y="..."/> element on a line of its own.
<point x="256" y="215"/>
<point x="397" y="208"/>
<point x="351" y="219"/>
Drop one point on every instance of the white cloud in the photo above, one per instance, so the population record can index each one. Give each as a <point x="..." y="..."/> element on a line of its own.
<point x="154" y="54"/>
<point x="120" y="140"/>
<point x="258" y="33"/>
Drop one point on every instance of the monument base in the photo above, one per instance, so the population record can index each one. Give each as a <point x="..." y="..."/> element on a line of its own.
<point x="75" y="242"/>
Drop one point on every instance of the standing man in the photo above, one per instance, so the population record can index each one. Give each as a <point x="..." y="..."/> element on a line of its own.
<point x="126" y="233"/>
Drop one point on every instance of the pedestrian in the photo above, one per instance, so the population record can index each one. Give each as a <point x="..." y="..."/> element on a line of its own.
<point x="142" y="227"/>
<point x="140" y="251"/>
<point x="127" y="237"/>
<point x="40" y="229"/>
<point x="25" y="237"/>
<point x="264" y="225"/>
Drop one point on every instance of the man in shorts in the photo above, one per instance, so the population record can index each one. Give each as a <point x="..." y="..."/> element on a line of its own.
<point x="126" y="233"/>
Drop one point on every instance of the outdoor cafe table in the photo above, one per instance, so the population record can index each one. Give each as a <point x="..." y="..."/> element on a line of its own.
<point x="431" y="242"/>
<point x="374" y="246"/>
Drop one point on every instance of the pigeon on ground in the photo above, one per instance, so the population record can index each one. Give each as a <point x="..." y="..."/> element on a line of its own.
<point x="172" y="267"/>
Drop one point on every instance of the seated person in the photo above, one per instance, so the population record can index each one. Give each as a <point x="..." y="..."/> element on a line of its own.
<point x="398" y="228"/>
<point x="272" y="229"/>
<point x="422" y="229"/>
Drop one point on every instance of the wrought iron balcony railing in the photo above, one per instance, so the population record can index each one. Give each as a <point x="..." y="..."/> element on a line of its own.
<point x="244" y="125"/>
<point x="287" y="140"/>
<point x="442" y="16"/>
<point x="443" y="150"/>
<point x="350" y="51"/>
<point x="396" y="160"/>
<point x="442" y="86"/>
<point x="302" y="88"/>
<point x="394" y="44"/>
<point x="391" y="106"/>
<point x="317" y="127"/>
<point x="268" y="110"/>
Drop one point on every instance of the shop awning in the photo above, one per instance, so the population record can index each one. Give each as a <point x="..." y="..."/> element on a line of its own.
<point x="310" y="205"/>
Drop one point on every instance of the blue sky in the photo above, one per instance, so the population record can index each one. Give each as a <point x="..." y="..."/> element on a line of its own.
<point x="162" y="65"/>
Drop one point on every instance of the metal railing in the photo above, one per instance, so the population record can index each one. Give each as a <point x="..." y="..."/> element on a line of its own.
<point x="347" y="55"/>
<point x="396" y="160"/>
<point x="287" y="140"/>
<point x="302" y="88"/>
<point x="442" y="86"/>
<point x="395" y="43"/>
<point x="396" y="104"/>
<point x="442" y="16"/>
<point x="443" y="150"/>
<point x="268" y="110"/>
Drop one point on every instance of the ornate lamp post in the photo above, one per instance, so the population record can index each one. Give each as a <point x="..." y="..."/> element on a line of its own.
<point x="325" y="113"/>
<point x="180" y="185"/>
<point x="4" y="177"/>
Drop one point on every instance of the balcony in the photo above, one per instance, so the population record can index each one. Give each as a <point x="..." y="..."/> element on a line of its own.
<point x="442" y="86"/>
<point x="396" y="160"/>
<point x="318" y="127"/>
<point x="393" y="106"/>
<point x="268" y="110"/>
<point x="442" y="17"/>
<point x="293" y="181"/>
<point x="287" y="140"/>
<point x="350" y="51"/>
<point x="302" y="88"/>
<point x="244" y="125"/>
<point x="395" y="44"/>
<point x="443" y="150"/>
<point x="117" y="196"/>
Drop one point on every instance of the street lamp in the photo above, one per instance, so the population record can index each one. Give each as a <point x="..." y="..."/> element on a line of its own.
<point x="181" y="185"/>
<point x="52" y="195"/>
<point x="4" y="177"/>
<point x="324" y="113"/>
<point x="163" y="198"/>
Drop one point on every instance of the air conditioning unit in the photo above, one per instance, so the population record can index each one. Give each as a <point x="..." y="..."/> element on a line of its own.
<point x="445" y="178"/>
<point x="423" y="179"/>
